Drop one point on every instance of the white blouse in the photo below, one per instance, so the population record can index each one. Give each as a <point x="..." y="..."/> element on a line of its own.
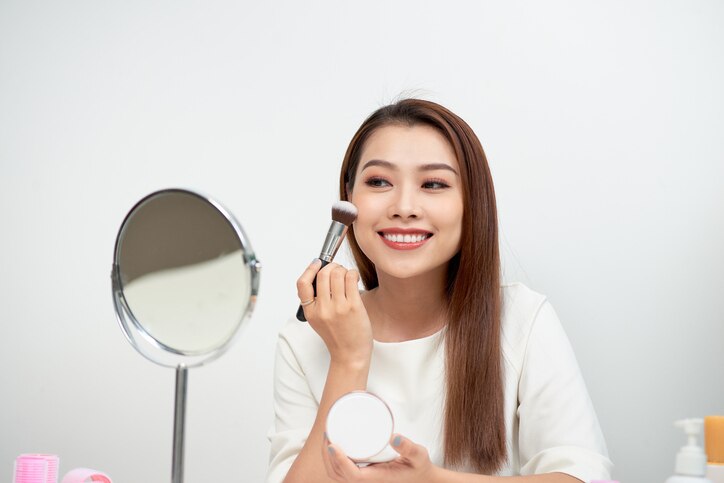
<point x="551" y="425"/>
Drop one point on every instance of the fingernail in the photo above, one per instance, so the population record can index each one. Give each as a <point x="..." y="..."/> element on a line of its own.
<point x="397" y="441"/>
<point x="331" y="450"/>
<point x="315" y="260"/>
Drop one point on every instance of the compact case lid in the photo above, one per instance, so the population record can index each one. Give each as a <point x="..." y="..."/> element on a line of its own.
<point x="361" y="424"/>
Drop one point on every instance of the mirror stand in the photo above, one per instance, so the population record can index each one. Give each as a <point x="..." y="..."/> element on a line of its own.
<point x="184" y="280"/>
<point x="179" y="419"/>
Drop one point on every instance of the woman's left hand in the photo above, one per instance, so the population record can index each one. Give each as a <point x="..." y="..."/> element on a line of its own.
<point x="413" y="465"/>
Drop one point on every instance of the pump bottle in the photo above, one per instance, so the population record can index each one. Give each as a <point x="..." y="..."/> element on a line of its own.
<point x="691" y="459"/>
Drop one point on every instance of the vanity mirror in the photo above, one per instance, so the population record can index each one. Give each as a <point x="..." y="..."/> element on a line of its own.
<point x="185" y="279"/>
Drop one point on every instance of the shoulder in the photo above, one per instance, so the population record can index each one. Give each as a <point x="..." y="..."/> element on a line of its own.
<point x="520" y="308"/>
<point x="298" y="335"/>
<point x="299" y="340"/>
<point x="294" y="330"/>
<point x="519" y="295"/>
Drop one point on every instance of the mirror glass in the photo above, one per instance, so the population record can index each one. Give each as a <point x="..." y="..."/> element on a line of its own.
<point x="185" y="277"/>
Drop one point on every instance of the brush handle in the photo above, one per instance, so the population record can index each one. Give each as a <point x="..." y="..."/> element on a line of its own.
<point x="300" y="310"/>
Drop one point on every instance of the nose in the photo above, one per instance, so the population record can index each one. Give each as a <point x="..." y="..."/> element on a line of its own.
<point x="405" y="204"/>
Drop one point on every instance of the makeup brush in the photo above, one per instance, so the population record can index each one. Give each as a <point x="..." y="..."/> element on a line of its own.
<point x="343" y="214"/>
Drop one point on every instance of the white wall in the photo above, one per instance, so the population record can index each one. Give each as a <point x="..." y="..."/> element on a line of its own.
<point x="603" y="123"/>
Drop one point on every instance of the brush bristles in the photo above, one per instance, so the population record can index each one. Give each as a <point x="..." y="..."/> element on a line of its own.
<point x="344" y="212"/>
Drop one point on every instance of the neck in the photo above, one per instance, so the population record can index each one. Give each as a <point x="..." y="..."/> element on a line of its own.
<point x="406" y="309"/>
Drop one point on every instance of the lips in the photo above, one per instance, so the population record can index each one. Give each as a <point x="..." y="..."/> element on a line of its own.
<point x="404" y="239"/>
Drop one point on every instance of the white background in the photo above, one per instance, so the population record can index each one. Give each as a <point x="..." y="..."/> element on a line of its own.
<point x="603" y="123"/>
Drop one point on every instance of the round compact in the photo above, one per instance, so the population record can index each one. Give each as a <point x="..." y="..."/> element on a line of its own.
<point x="361" y="424"/>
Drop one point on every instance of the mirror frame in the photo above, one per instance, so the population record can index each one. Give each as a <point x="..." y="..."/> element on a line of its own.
<point x="142" y="340"/>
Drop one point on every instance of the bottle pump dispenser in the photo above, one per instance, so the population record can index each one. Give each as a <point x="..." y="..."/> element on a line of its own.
<point x="691" y="459"/>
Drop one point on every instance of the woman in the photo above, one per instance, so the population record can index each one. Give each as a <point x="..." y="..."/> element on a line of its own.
<point x="480" y="377"/>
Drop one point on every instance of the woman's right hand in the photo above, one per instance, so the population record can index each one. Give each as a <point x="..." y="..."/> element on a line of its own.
<point x="337" y="313"/>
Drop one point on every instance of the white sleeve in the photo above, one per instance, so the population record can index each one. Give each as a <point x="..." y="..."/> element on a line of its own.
<point x="558" y="427"/>
<point x="295" y="410"/>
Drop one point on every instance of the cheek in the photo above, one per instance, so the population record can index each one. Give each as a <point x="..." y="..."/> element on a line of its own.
<point x="363" y="232"/>
<point x="450" y="216"/>
<point x="448" y="211"/>
<point x="364" y="220"/>
<point x="361" y="227"/>
<point x="368" y="208"/>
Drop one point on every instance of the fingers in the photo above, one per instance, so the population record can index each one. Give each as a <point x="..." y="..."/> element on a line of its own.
<point x="323" y="285"/>
<point x="414" y="453"/>
<point x="331" y="280"/>
<point x="336" y="283"/>
<point x="305" y="291"/>
<point x="327" y="459"/>
<point x="342" y="466"/>
<point x="336" y="463"/>
<point x="351" y="288"/>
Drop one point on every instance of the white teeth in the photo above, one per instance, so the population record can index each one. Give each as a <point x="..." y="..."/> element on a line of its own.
<point x="398" y="238"/>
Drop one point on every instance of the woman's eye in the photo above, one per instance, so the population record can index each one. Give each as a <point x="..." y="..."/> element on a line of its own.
<point x="377" y="182"/>
<point x="435" y="184"/>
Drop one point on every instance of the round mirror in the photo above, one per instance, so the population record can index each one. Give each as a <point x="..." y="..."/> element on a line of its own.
<point x="185" y="277"/>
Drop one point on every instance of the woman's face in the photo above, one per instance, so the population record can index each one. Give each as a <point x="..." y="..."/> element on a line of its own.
<point x="409" y="196"/>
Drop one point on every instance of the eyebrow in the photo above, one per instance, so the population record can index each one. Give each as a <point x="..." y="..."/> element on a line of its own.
<point x="424" y="167"/>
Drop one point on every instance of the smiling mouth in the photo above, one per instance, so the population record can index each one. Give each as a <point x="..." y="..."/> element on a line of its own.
<point x="400" y="238"/>
<point x="404" y="241"/>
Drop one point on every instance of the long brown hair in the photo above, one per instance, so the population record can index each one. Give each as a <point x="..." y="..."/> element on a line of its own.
<point x="474" y="425"/>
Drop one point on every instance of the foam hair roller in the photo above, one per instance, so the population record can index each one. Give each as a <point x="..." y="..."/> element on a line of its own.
<point x="85" y="475"/>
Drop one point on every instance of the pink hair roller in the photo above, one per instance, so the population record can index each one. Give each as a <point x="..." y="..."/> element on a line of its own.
<point x="36" y="468"/>
<point x="85" y="475"/>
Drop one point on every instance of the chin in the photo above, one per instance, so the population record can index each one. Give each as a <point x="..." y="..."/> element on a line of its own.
<point x="405" y="271"/>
